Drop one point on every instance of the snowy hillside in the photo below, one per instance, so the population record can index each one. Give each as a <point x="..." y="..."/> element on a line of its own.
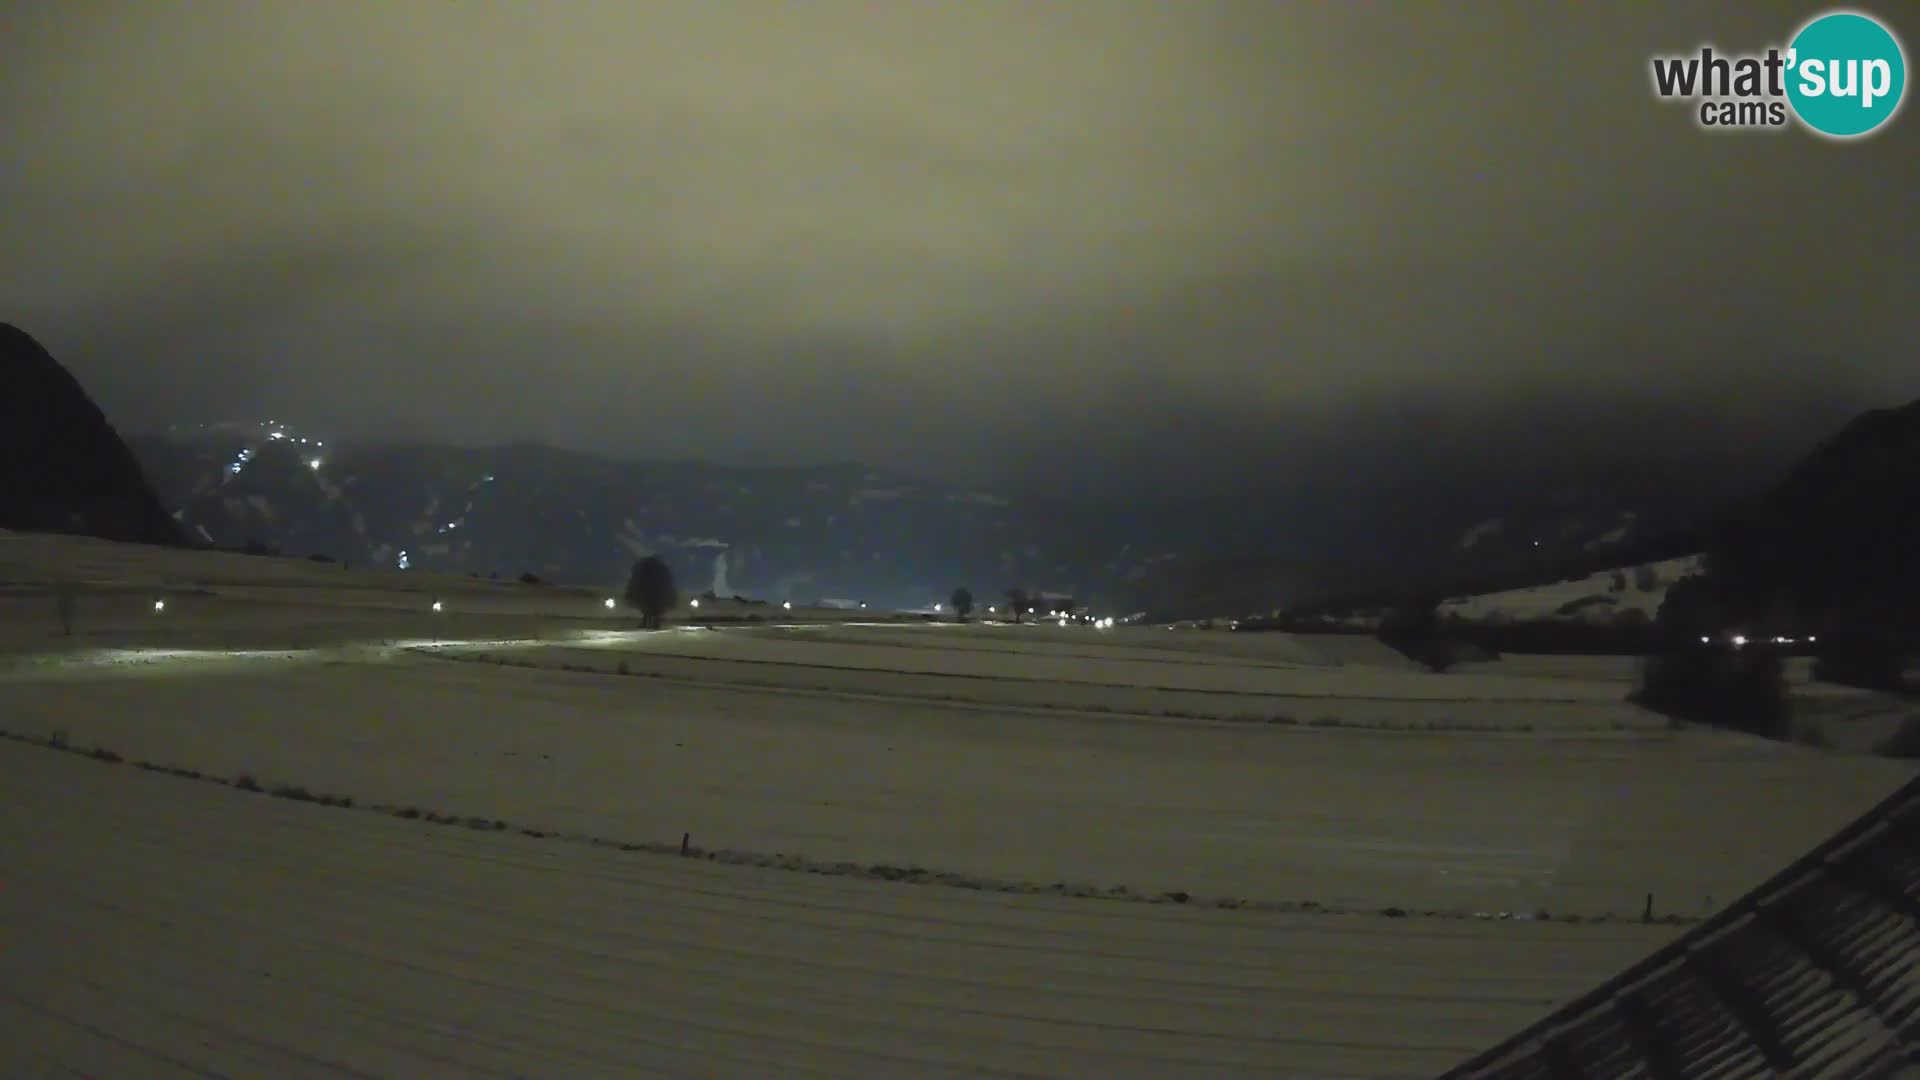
<point x="1603" y="597"/>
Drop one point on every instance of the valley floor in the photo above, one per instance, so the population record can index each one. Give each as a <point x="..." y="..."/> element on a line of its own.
<point x="1134" y="852"/>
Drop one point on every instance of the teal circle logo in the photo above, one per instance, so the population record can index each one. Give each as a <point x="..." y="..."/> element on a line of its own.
<point x="1847" y="74"/>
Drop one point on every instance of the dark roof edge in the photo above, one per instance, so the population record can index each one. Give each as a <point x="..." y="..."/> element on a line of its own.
<point x="1673" y="951"/>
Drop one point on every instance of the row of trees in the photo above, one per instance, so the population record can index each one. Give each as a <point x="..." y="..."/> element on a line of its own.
<point x="1019" y="601"/>
<point x="650" y="591"/>
<point x="1697" y="674"/>
<point x="1715" y="660"/>
<point x="1712" y="656"/>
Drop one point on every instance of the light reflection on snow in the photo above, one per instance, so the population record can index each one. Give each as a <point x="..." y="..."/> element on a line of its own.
<point x="157" y="660"/>
<point x="466" y="643"/>
<point x="112" y="656"/>
<point x="151" y="660"/>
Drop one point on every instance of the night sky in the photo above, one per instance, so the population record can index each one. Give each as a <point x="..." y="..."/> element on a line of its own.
<point x="1071" y="244"/>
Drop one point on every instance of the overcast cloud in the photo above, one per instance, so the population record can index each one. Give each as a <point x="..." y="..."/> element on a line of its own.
<point x="980" y="239"/>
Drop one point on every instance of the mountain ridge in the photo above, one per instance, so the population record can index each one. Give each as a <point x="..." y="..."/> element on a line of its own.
<point x="846" y="529"/>
<point x="63" y="467"/>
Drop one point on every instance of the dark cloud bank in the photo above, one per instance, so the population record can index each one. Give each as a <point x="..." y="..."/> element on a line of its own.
<point x="1073" y="245"/>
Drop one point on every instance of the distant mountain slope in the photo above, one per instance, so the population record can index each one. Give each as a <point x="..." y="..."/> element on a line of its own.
<point x="839" y="531"/>
<point x="62" y="466"/>
<point x="1834" y="541"/>
<point x="1839" y="535"/>
<point x="849" y="531"/>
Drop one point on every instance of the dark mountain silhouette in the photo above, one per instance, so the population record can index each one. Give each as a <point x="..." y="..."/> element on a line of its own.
<point x="62" y="466"/>
<point x="1837" y="540"/>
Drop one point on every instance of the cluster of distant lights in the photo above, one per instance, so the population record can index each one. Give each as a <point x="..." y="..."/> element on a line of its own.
<point x="1741" y="641"/>
<point x="1102" y="623"/>
<point x="610" y="603"/>
<point x="786" y="604"/>
<point x="276" y="433"/>
<point x="1105" y="622"/>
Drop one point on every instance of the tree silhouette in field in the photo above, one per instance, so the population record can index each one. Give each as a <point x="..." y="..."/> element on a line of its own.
<point x="650" y="591"/>
<point x="1017" y="600"/>
<point x="1830" y="550"/>
<point x="1696" y="674"/>
<point x="963" y="602"/>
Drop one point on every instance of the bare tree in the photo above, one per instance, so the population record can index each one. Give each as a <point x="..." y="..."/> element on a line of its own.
<point x="963" y="602"/>
<point x="1017" y="600"/>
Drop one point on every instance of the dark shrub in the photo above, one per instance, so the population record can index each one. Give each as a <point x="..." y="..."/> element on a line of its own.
<point x="1742" y="689"/>
<point x="1413" y="628"/>
<point x="1904" y="742"/>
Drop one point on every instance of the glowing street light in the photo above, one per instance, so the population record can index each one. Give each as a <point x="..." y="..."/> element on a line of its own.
<point x="159" y="606"/>
<point x="610" y="603"/>
<point x="787" y="604"/>
<point x="936" y="609"/>
<point x="436" y="605"/>
<point x="314" y="464"/>
<point x="694" y="602"/>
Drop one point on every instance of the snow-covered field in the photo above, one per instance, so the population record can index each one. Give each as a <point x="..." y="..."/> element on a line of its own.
<point x="1127" y="852"/>
<point x="157" y="927"/>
